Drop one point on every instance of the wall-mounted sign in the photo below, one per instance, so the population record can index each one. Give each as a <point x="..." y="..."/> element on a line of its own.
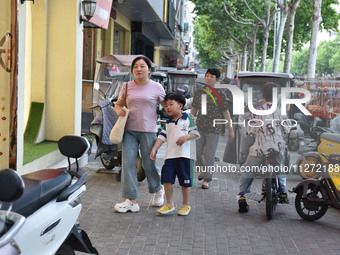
<point x="102" y="13"/>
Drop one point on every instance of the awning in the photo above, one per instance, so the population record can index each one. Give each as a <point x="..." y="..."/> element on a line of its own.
<point x="150" y="13"/>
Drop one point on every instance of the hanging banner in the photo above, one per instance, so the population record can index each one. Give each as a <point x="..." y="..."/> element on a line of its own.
<point x="101" y="15"/>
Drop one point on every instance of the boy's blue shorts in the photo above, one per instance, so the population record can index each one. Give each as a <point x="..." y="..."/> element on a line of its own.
<point x="182" y="167"/>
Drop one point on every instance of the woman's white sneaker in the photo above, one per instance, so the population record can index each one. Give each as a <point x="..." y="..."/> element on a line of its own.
<point x="158" y="198"/>
<point x="126" y="206"/>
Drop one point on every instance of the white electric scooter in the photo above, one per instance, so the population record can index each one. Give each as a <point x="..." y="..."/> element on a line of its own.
<point x="40" y="210"/>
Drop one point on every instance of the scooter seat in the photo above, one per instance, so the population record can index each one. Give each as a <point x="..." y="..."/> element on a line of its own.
<point x="332" y="137"/>
<point x="40" y="188"/>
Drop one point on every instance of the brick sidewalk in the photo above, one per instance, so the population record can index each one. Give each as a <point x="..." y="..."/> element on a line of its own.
<point x="213" y="226"/>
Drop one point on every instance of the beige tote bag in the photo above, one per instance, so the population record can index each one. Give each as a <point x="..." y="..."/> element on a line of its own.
<point x="117" y="132"/>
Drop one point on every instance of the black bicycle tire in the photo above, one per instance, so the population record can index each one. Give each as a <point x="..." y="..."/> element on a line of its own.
<point x="269" y="196"/>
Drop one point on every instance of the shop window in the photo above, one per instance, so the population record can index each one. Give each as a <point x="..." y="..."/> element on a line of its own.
<point x="119" y="40"/>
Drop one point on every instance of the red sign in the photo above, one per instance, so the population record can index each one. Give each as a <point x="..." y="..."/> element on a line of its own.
<point x="101" y="15"/>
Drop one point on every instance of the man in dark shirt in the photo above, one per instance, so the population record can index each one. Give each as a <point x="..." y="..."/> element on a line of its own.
<point x="216" y="108"/>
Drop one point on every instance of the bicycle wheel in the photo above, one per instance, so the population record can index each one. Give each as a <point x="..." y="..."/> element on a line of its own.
<point x="269" y="196"/>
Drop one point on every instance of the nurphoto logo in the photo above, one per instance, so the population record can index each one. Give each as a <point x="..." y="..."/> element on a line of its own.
<point x="238" y="103"/>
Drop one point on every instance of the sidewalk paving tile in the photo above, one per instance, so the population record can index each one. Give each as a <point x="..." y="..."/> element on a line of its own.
<point x="213" y="226"/>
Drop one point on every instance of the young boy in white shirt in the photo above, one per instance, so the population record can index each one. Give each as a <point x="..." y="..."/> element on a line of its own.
<point x="177" y="132"/>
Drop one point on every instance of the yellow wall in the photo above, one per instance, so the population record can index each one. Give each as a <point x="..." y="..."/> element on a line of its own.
<point x="156" y="57"/>
<point x="127" y="43"/>
<point x="126" y="24"/>
<point x="165" y="18"/>
<point x="123" y="21"/>
<point x="28" y="63"/>
<point x="5" y="22"/>
<point x="109" y="38"/>
<point x="35" y="56"/>
<point x="99" y="44"/>
<point x="61" y="68"/>
<point x="38" y="52"/>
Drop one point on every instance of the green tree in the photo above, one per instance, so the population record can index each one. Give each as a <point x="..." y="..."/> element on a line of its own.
<point x="236" y="37"/>
<point x="334" y="62"/>
<point x="269" y="65"/>
<point x="299" y="62"/>
<point x="303" y="21"/>
<point x="326" y="51"/>
<point x="239" y="22"/>
<point x="208" y="41"/>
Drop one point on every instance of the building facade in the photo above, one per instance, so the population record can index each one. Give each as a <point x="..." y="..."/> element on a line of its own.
<point x="190" y="60"/>
<point x="153" y="28"/>
<point x="55" y="53"/>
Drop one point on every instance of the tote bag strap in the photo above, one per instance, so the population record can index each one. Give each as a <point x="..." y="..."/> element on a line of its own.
<point x="126" y="89"/>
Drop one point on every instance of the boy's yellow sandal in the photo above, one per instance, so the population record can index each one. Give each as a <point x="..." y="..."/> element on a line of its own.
<point x="185" y="209"/>
<point x="166" y="209"/>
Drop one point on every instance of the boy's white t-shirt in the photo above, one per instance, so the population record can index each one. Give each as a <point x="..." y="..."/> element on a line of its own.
<point x="170" y="133"/>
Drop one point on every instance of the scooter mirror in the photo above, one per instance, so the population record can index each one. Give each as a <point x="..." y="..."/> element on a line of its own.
<point x="96" y="86"/>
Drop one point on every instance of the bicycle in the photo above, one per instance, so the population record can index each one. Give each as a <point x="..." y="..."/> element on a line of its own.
<point x="271" y="194"/>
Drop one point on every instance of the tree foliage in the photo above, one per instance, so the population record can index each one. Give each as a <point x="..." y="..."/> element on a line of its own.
<point x="233" y="38"/>
<point x="327" y="56"/>
<point x="326" y="50"/>
<point x="217" y="35"/>
<point x="207" y="41"/>
<point x="300" y="62"/>
<point x="302" y="31"/>
<point x="327" y="62"/>
<point x="334" y="62"/>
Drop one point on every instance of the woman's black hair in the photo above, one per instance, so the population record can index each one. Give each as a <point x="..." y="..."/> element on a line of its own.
<point x="179" y="98"/>
<point x="146" y="60"/>
<point x="214" y="71"/>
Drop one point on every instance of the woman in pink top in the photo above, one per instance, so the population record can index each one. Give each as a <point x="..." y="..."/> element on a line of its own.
<point x="143" y="96"/>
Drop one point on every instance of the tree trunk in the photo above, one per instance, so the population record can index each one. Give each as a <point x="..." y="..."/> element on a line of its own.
<point x="290" y="35"/>
<point x="316" y="19"/>
<point x="229" y="73"/>
<point x="284" y="14"/>
<point x="264" y="49"/>
<point x="244" y="58"/>
<point x="250" y="59"/>
<point x="253" y="49"/>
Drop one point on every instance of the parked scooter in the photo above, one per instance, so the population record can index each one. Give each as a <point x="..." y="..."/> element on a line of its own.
<point x="309" y="159"/>
<point x="313" y="197"/>
<point x="40" y="210"/>
<point x="105" y="117"/>
<point x="309" y="124"/>
<point x="105" y="94"/>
